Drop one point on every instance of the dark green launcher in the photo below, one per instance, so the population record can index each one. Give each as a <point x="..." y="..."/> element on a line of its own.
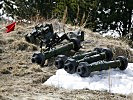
<point x="40" y="58"/>
<point x="71" y="64"/>
<point x="84" y="69"/>
<point x="60" y="59"/>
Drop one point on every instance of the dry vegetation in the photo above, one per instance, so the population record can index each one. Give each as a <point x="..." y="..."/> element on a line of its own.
<point x="22" y="80"/>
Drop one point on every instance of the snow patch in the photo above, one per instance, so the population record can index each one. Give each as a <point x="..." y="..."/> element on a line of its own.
<point x="112" y="80"/>
<point x="112" y="33"/>
<point x="7" y="17"/>
<point x="3" y="15"/>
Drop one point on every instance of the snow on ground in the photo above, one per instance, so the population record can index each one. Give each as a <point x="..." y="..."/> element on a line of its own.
<point x="8" y="18"/>
<point x="1" y="11"/>
<point x="112" y="33"/>
<point x="112" y="80"/>
<point x="3" y="15"/>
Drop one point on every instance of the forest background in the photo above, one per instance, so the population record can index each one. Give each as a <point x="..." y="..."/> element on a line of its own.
<point x="98" y="15"/>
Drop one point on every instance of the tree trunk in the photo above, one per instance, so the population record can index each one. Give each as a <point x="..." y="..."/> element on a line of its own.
<point x="130" y="19"/>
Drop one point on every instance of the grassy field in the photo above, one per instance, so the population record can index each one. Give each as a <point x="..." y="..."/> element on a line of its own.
<point x="22" y="80"/>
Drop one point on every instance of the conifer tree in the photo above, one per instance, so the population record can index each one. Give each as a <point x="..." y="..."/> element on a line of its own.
<point x="114" y="15"/>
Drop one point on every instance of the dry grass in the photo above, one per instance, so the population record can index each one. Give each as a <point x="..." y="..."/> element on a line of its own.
<point x="119" y="47"/>
<point x="23" y="45"/>
<point x="130" y="97"/>
<point x="2" y="42"/>
<point x="5" y="71"/>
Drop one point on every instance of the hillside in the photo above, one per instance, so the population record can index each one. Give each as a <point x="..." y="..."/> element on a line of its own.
<point x="22" y="80"/>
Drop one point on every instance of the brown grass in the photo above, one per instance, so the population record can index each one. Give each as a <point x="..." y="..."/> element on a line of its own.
<point x="5" y="71"/>
<point x="2" y="42"/>
<point x="23" y="45"/>
<point x="119" y="47"/>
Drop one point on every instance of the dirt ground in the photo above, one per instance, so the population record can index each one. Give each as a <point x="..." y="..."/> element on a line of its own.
<point x="22" y="80"/>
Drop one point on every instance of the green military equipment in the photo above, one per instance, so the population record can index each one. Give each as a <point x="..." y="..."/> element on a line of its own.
<point x="77" y="34"/>
<point x="40" y="58"/>
<point x="72" y="64"/>
<point x="60" y="59"/>
<point x="39" y="33"/>
<point x="44" y="35"/>
<point x="84" y="69"/>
